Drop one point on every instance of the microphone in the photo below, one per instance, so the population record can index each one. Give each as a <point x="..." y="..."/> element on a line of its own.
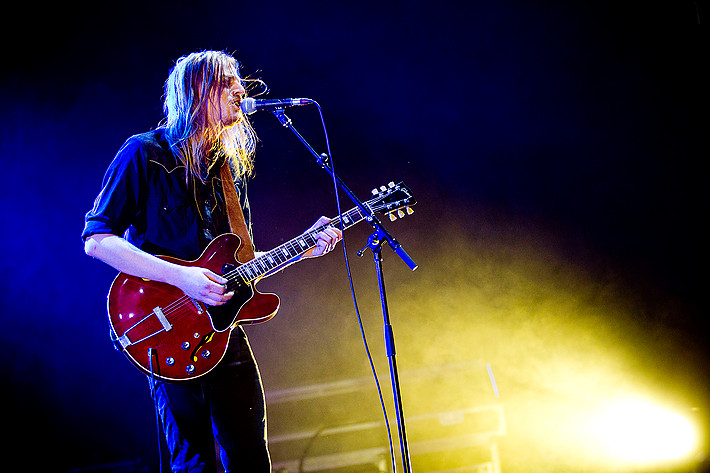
<point x="250" y="105"/>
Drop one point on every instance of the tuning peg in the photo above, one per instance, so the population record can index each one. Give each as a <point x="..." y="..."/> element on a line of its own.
<point x="392" y="216"/>
<point x="400" y="213"/>
<point x="383" y="188"/>
<point x="410" y="211"/>
<point x="375" y="191"/>
<point x="391" y="184"/>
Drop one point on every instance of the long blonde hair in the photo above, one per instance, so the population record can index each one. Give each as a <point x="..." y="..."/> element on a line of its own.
<point x="190" y="91"/>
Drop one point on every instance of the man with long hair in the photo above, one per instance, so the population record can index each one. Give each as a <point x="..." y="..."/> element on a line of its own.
<point x="163" y="195"/>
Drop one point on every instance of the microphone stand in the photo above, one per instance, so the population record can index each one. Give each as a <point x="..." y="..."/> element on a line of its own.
<point x="375" y="242"/>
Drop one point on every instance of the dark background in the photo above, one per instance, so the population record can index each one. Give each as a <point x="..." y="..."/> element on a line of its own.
<point x="585" y="119"/>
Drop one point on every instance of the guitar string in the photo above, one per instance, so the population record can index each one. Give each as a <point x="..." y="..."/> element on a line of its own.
<point x="174" y="310"/>
<point x="246" y="270"/>
<point x="245" y="274"/>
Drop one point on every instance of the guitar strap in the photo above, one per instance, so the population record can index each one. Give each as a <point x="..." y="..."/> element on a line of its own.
<point x="236" y="217"/>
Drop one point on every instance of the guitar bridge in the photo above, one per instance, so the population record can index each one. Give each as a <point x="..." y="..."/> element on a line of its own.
<point x="162" y="318"/>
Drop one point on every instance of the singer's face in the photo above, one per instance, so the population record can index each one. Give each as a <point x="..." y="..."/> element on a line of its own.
<point x="229" y="98"/>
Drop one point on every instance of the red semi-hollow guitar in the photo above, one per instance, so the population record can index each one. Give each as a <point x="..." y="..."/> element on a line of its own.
<point x="173" y="337"/>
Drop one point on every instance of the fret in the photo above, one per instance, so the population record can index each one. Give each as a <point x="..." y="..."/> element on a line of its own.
<point x="302" y="243"/>
<point x="277" y="256"/>
<point x="299" y="245"/>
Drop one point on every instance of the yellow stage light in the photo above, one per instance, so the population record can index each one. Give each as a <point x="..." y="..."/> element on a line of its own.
<point x="640" y="432"/>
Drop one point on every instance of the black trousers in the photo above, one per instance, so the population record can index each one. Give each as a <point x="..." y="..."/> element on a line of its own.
<point x="226" y="405"/>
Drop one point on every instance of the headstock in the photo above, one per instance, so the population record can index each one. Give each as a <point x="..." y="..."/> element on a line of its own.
<point x="395" y="200"/>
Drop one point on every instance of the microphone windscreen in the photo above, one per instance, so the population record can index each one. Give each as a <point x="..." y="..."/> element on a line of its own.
<point x="248" y="106"/>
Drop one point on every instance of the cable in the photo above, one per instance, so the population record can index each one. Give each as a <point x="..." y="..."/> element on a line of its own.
<point x="352" y="289"/>
<point x="155" y="404"/>
<point x="307" y="449"/>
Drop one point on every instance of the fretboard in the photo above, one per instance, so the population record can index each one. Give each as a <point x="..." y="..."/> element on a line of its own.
<point x="283" y="253"/>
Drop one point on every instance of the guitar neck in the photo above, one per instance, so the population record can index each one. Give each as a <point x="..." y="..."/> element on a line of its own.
<point x="283" y="253"/>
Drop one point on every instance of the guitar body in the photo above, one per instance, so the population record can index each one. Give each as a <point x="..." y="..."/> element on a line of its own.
<point x="175" y="338"/>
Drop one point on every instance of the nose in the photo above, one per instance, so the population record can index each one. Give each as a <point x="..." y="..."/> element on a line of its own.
<point x="238" y="89"/>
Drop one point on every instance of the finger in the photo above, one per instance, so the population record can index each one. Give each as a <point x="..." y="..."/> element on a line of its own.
<point x="215" y="288"/>
<point x="211" y="300"/>
<point x="321" y="221"/>
<point x="218" y="299"/>
<point x="320" y="248"/>
<point x="216" y="278"/>
<point x="333" y="234"/>
<point x="223" y="298"/>
<point x="210" y="287"/>
<point x="329" y="239"/>
<point x="326" y="234"/>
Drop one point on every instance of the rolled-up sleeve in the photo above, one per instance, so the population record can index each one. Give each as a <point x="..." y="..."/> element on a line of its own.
<point x="118" y="203"/>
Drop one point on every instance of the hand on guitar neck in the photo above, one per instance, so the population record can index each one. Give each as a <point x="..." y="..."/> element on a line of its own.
<point x="327" y="239"/>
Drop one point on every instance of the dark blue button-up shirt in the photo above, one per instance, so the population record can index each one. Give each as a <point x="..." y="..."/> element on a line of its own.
<point x="144" y="198"/>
